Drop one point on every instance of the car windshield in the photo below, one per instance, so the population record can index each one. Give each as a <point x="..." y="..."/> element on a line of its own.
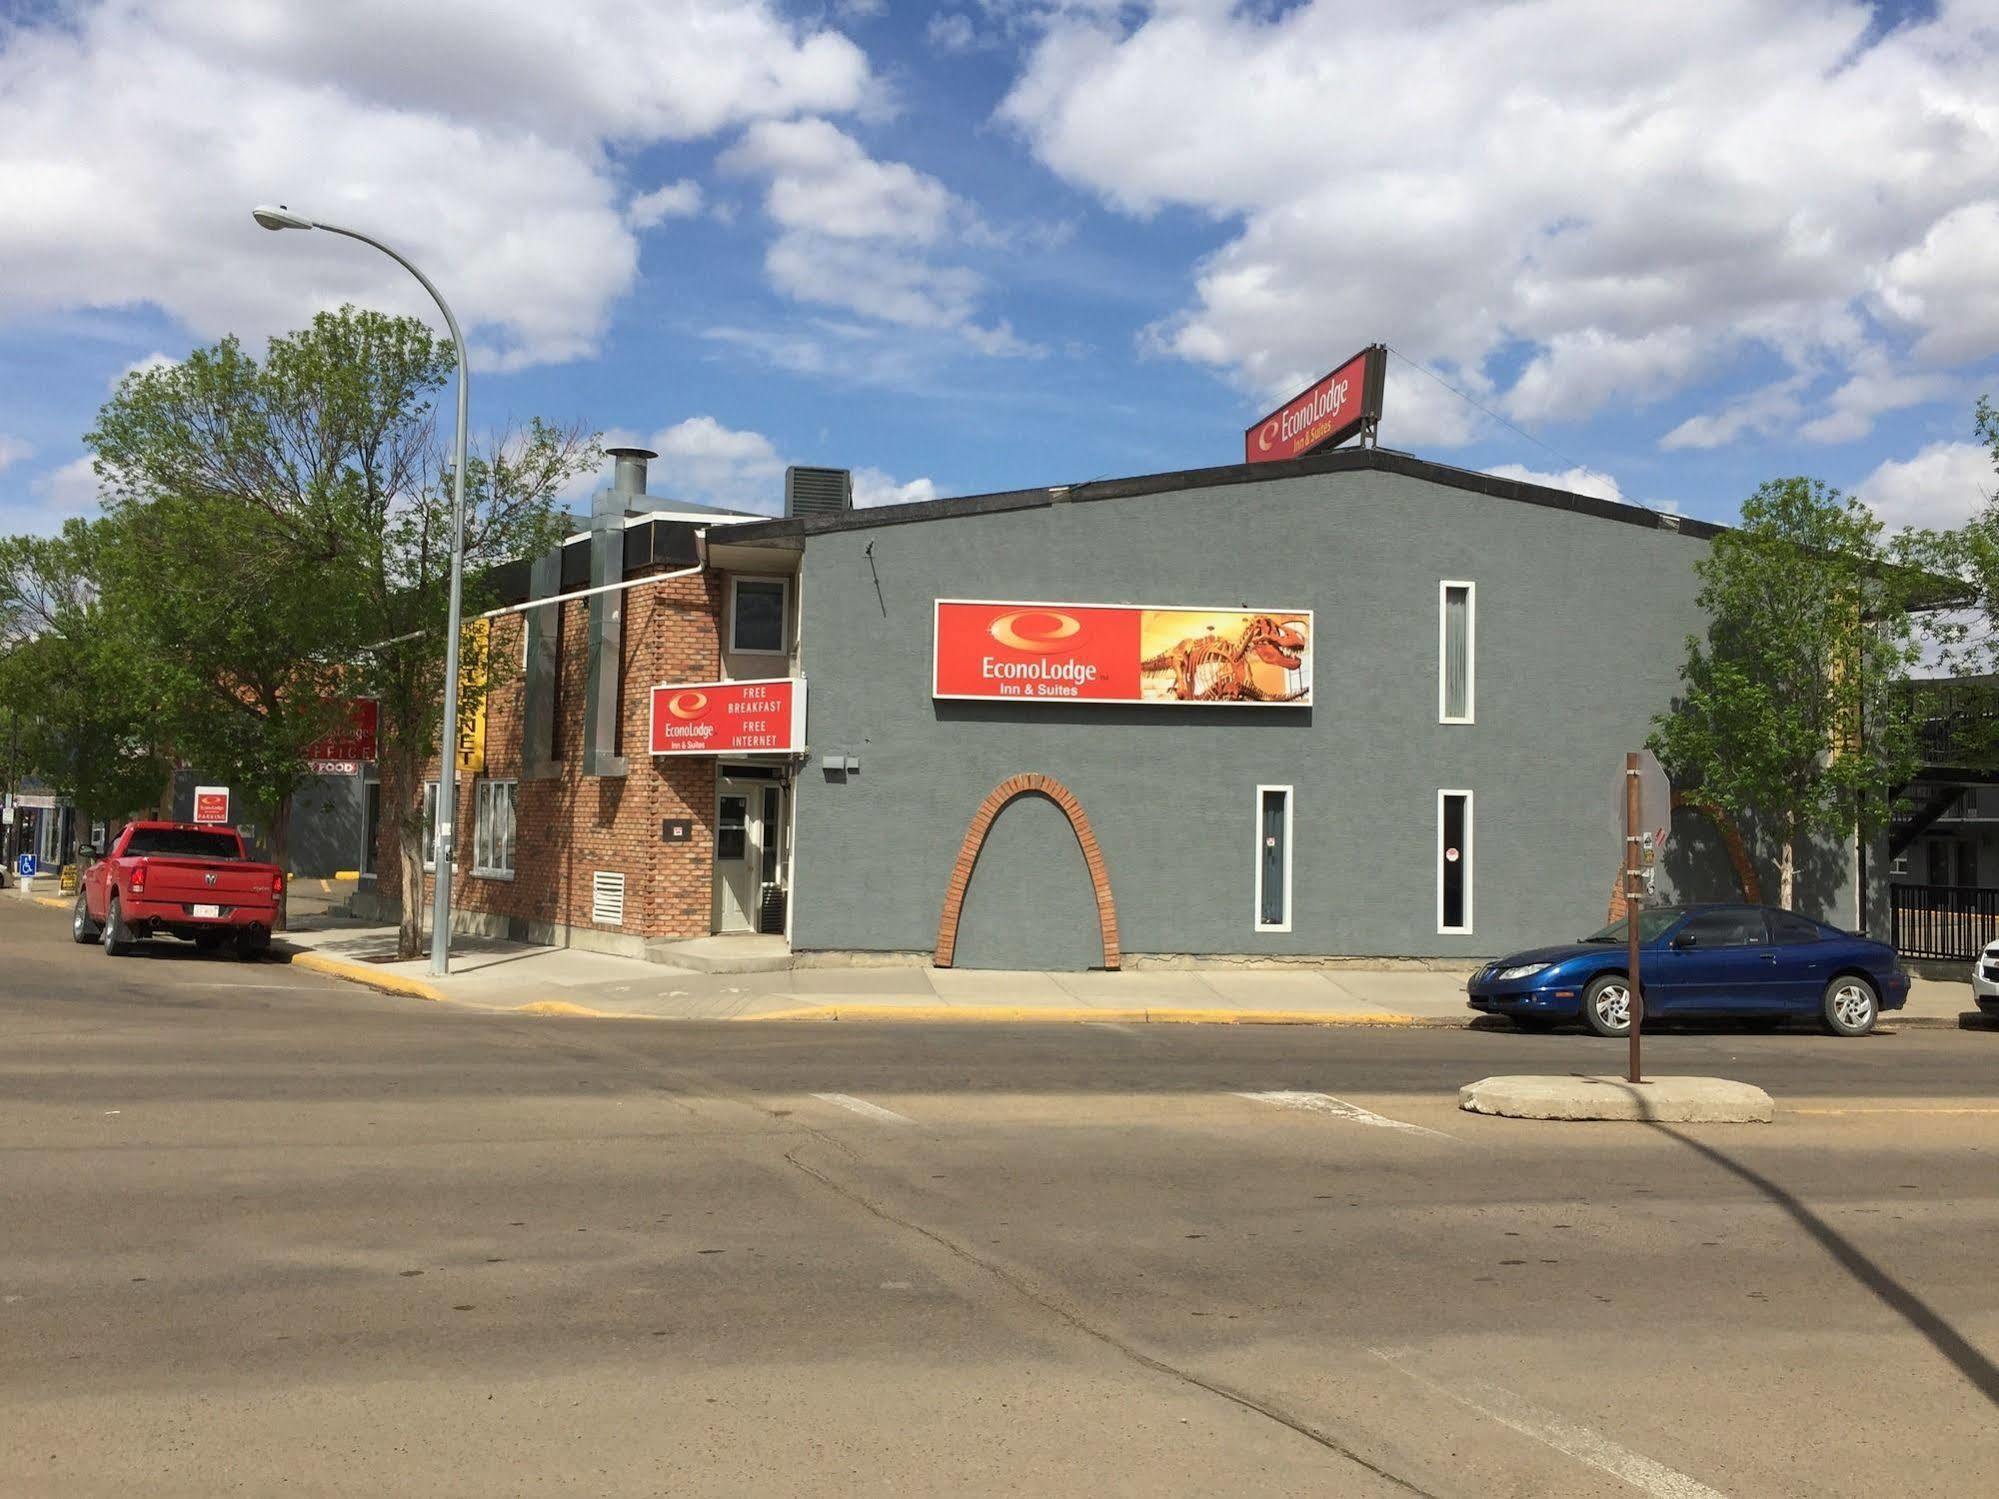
<point x="186" y="843"/>
<point x="1652" y="925"/>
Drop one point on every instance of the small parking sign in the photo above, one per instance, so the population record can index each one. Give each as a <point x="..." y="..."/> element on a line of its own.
<point x="26" y="866"/>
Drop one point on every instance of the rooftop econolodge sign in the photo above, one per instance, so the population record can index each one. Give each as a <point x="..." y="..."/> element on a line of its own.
<point x="729" y="718"/>
<point x="1323" y="414"/>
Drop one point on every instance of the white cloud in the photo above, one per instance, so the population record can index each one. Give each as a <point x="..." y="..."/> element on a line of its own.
<point x="481" y="143"/>
<point x="675" y="200"/>
<point x="1943" y="485"/>
<point x="1631" y="195"/>
<point x="822" y="182"/>
<point x="153" y="361"/>
<point x="860" y="234"/>
<point x="1575" y="480"/>
<point x="1944" y="288"/>
<point x="69" y="490"/>
<point x="872" y="487"/>
<point x="12" y="451"/>
<point x="1760" y="413"/>
<point x="951" y="33"/>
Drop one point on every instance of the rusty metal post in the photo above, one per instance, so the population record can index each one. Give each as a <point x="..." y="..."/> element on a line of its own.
<point x="1633" y="877"/>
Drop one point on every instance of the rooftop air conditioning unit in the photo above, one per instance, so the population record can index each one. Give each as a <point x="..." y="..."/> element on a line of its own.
<point x="818" y="491"/>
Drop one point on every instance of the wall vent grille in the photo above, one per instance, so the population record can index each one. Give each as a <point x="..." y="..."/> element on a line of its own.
<point x="818" y="491"/>
<point x="607" y="898"/>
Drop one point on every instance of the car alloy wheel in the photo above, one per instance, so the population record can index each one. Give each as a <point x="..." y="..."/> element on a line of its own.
<point x="81" y="927"/>
<point x="1851" y="1007"/>
<point x="1607" y="1005"/>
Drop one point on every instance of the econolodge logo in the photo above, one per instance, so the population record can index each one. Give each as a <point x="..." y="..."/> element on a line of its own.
<point x="1035" y="630"/>
<point x="687" y="704"/>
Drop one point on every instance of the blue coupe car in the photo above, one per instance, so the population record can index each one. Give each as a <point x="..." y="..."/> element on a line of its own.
<point x="1751" y="963"/>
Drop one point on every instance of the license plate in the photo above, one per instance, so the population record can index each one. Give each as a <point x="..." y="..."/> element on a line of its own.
<point x="208" y="910"/>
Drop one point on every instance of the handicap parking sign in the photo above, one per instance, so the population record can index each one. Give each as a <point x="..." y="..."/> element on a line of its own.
<point x="27" y="866"/>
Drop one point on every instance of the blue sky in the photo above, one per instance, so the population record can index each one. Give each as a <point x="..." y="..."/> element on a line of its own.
<point x="1000" y="243"/>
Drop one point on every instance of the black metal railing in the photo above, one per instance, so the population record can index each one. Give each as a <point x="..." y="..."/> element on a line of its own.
<point x="1942" y="921"/>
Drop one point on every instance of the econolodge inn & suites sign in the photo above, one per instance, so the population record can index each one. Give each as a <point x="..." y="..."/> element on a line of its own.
<point x="1121" y="653"/>
<point x="728" y="718"/>
<point x="1324" y="414"/>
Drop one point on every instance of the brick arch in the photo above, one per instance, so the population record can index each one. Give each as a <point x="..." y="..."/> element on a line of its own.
<point x="1731" y="839"/>
<point x="975" y="840"/>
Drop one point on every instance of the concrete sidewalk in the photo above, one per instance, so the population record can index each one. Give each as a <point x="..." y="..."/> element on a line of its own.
<point x="495" y="975"/>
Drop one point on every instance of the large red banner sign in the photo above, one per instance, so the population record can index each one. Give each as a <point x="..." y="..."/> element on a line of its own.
<point x="1121" y="653"/>
<point x="1325" y="413"/>
<point x="358" y="743"/>
<point x="728" y="718"/>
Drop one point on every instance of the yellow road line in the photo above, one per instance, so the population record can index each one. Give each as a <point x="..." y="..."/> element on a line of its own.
<point x="1909" y="1110"/>
<point x="1058" y="1015"/>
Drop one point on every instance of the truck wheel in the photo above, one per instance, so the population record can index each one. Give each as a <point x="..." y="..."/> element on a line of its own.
<point x="117" y="941"/>
<point x="252" y="947"/>
<point x="210" y="941"/>
<point x="81" y="927"/>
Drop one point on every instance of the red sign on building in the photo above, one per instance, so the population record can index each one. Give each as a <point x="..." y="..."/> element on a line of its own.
<point x="1121" y="653"/>
<point x="728" y="718"/>
<point x="211" y="804"/>
<point x="1322" y="415"/>
<point x="358" y="743"/>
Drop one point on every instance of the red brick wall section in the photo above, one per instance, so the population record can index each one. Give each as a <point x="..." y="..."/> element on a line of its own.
<point x="1731" y="839"/>
<point x="569" y="826"/>
<point x="975" y="839"/>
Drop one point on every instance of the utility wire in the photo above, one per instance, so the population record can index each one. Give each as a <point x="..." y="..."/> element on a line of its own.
<point x="1469" y="401"/>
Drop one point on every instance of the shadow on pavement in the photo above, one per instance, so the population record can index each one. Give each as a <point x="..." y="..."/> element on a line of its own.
<point x="1947" y="1340"/>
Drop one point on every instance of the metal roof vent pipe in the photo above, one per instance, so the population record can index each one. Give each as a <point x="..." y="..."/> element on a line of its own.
<point x="817" y="491"/>
<point x="630" y="475"/>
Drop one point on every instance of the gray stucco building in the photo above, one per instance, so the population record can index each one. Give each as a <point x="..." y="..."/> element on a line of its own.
<point x="1481" y="654"/>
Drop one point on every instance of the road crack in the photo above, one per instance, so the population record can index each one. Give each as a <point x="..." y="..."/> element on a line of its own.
<point x="1074" y="1320"/>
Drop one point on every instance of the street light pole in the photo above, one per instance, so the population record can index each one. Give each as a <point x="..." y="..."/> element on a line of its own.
<point x="447" y="781"/>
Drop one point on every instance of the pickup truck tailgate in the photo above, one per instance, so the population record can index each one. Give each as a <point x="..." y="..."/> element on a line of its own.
<point x="209" y="882"/>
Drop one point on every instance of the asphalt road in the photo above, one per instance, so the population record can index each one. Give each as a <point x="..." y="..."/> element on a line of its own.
<point x="262" y="1232"/>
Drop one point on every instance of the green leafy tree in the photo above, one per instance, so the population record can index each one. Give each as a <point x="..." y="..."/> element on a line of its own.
<point x="1792" y="708"/>
<point x="80" y="708"/>
<point x="322" y="464"/>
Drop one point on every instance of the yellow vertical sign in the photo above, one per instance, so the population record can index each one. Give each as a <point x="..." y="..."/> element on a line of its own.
<point x="473" y="653"/>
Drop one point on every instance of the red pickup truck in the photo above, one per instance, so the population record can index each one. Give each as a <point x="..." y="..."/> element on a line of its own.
<point x="183" y="879"/>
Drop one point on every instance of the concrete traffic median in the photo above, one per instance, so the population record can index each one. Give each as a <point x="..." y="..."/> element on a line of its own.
<point x="1658" y="1100"/>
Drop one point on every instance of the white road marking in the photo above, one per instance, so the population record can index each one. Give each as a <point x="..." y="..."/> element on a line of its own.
<point x="1110" y="1025"/>
<point x="862" y="1107"/>
<point x="1566" y="1437"/>
<point x="1339" y="1108"/>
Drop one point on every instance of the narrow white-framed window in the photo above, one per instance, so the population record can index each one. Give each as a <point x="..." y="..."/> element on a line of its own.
<point x="1457" y="650"/>
<point x="1273" y="858"/>
<point x="1454" y="861"/>
<point x="759" y="615"/>
<point x="493" y="832"/>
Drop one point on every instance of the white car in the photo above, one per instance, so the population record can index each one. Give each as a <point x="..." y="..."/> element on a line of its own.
<point x="1985" y="980"/>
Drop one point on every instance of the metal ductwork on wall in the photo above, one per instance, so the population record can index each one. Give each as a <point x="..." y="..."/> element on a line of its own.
<point x="818" y="491"/>
<point x="607" y="610"/>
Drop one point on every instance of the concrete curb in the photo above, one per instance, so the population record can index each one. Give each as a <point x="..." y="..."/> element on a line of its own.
<point x="1065" y="1015"/>
<point x="359" y="973"/>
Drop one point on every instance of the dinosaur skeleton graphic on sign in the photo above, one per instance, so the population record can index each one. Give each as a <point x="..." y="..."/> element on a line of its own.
<point x="1213" y="668"/>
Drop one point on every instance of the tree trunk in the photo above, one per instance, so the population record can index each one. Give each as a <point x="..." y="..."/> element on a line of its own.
<point x="281" y="841"/>
<point x="409" y="849"/>
<point x="1787" y="869"/>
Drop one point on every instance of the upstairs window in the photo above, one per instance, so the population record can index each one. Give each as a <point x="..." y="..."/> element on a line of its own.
<point x="758" y="613"/>
<point x="1454" y="852"/>
<point x="1456" y="649"/>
